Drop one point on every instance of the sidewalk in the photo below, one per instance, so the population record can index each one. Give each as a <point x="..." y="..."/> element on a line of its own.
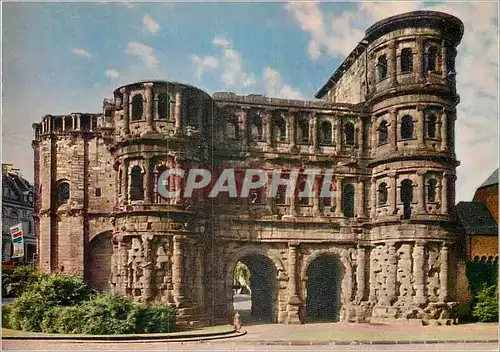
<point x="346" y="333"/>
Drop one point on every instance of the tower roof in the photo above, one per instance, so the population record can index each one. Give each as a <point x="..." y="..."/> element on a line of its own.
<point x="491" y="180"/>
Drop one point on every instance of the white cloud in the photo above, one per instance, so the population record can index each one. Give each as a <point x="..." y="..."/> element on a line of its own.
<point x="81" y="52"/>
<point x="202" y="63"/>
<point x="276" y="88"/>
<point x="144" y="52"/>
<point x="112" y="73"/>
<point x="129" y="5"/>
<point x="150" y="24"/>
<point x="221" y="42"/>
<point x="477" y="70"/>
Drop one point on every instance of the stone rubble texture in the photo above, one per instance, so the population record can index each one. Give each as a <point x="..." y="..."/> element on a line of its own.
<point x="183" y="252"/>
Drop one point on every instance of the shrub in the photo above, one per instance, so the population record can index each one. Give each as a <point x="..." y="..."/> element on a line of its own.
<point x="5" y="317"/>
<point x="29" y="310"/>
<point x="65" y="320"/>
<point x="486" y="308"/>
<point x="17" y="279"/>
<point x="154" y="318"/>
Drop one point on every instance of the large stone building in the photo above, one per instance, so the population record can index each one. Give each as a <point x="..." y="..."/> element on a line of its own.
<point x="383" y="248"/>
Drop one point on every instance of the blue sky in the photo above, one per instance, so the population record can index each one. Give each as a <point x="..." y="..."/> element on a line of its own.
<point x="67" y="57"/>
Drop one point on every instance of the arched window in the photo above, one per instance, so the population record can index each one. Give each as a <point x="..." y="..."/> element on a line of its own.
<point x="256" y="128"/>
<point x="431" y="190"/>
<point x="383" y="133"/>
<point x="58" y="124"/>
<point x="406" y="127"/>
<point x="406" y="60"/>
<point x="137" y="107"/>
<point x="62" y="192"/>
<point x="68" y="123"/>
<point x="349" y="134"/>
<point x="406" y="197"/>
<point x="163" y="106"/>
<point x="326" y="133"/>
<point x="432" y="59"/>
<point x="280" y="129"/>
<point x="382" y="67"/>
<point x="231" y="129"/>
<point x="348" y="200"/>
<point x="431" y="126"/>
<point x="382" y="194"/>
<point x="136" y="184"/>
<point x="303" y="132"/>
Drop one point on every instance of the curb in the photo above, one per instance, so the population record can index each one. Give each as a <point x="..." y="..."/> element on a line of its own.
<point x="361" y="342"/>
<point x="133" y="337"/>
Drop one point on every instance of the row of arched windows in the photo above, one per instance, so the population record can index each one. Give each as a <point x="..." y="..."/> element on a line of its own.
<point x="406" y="130"/>
<point x="137" y="106"/>
<point x="432" y="61"/>
<point x="406" y="194"/>
<point x="280" y="133"/>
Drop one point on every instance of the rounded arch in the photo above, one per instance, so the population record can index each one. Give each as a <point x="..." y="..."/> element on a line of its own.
<point x="98" y="261"/>
<point x="336" y="252"/>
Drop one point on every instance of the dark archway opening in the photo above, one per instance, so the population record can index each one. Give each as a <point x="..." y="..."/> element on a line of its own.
<point x="98" y="262"/>
<point x="323" y="289"/>
<point x="258" y="302"/>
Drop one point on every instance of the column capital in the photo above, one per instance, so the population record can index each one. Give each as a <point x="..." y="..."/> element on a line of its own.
<point x="420" y="243"/>
<point x="293" y="244"/>
<point x="392" y="174"/>
<point x="124" y="90"/>
<point x="148" y="84"/>
<point x="421" y="172"/>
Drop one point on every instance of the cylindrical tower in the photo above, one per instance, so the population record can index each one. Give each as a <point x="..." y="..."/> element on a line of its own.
<point x="158" y="242"/>
<point x="412" y="97"/>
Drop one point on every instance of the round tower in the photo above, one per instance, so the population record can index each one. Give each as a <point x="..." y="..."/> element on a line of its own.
<point x="412" y="99"/>
<point x="158" y="242"/>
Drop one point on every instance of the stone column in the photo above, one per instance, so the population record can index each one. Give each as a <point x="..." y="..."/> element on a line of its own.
<point x="393" y="129"/>
<point x="149" y="106"/>
<point x="360" y="274"/>
<point x="293" y="204"/>
<point x="147" y="180"/>
<point x="374" y="136"/>
<point x="126" y="175"/>
<point x="444" y="132"/>
<point x="373" y="199"/>
<point x="420" y="130"/>
<point x="123" y="250"/>
<point x="126" y="111"/>
<point x="360" y="199"/>
<point x="419" y="63"/>
<point x="444" y="193"/>
<point x="178" y="113"/>
<point x="393" y="79"/>
<point x="444" y="68"/>
<point x="78" y="122"/>
<point x="372" y="297"/>
<point x="293" y="298"/>
<point x="244" y="126"/>
<point x="64" y="123"/>
<point x="316" y="198"/>
<point x="392" y="273"/>
<point x="421" y="192"/>
<point x="338" y="198"/>
<point x="418" y="273"/>
<point x="443" y="273"/>
<point x="338" y="133"/>
<point x="73" y="123"/>
<point x="269" y="128"/>
<point x="361" y="131"/>
<point x="178" y="185"/>
<point x="393" y="194"/>
<point x="291" y="130"/>
<point x="178" y="271"/>
<point x="314" y="132"/>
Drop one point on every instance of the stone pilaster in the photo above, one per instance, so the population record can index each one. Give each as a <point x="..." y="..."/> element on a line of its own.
<point x="444" y="132"/>
<point x="64" y="124"/>
<point x="178" y="114"/>
<point x="420" y="130"/>
<point x="178" y="186"/>
<point x="314" y="132"/>
<point x="421" y="192"/>
<point x="443" y="273"/>
<point x="126" y="111"/>
<point x="444" y="193"/>
<point x="316" y="197"/>
<point x="444" y="68"/>
<point x="360" y="274"/>
<point x="338" y="197"/>
<point x="178" y="271"/>
<point x="393" y="129"/>
<point x="244" y="126"/>
<point x="126" y="173"/>
<point x="293" y="298"/>
<point x="393" y="78"/>
<point x="338" y="134"/>
<point x="147" y="180"/>
<point x="361" y="132"/>
<point x="392" y="193"/>
<point x="373" y="199"/>
<point x="392" y="273"/>
<point x="360" y="198"/>
<point x="418" y="274"/>
<point x="149" y="106"/>
<point x="373" y="259"/>
<point x="419" y="63"/>
<point x="374" y="136"/>
<point x="291" y="130"/>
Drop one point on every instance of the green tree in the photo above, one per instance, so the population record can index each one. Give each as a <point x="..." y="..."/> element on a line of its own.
<point x="242" y="276"/>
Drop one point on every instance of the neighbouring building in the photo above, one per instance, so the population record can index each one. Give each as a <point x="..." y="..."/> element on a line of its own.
<point x="386" y="244"/>
<point x="478" y="221"/>
<point x="17" y="207"/>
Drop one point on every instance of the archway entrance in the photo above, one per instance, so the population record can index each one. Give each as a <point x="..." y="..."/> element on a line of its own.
<point x="98" y="262"/>
<point x="257" y="301"/>
<point x="323" y="289"/>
